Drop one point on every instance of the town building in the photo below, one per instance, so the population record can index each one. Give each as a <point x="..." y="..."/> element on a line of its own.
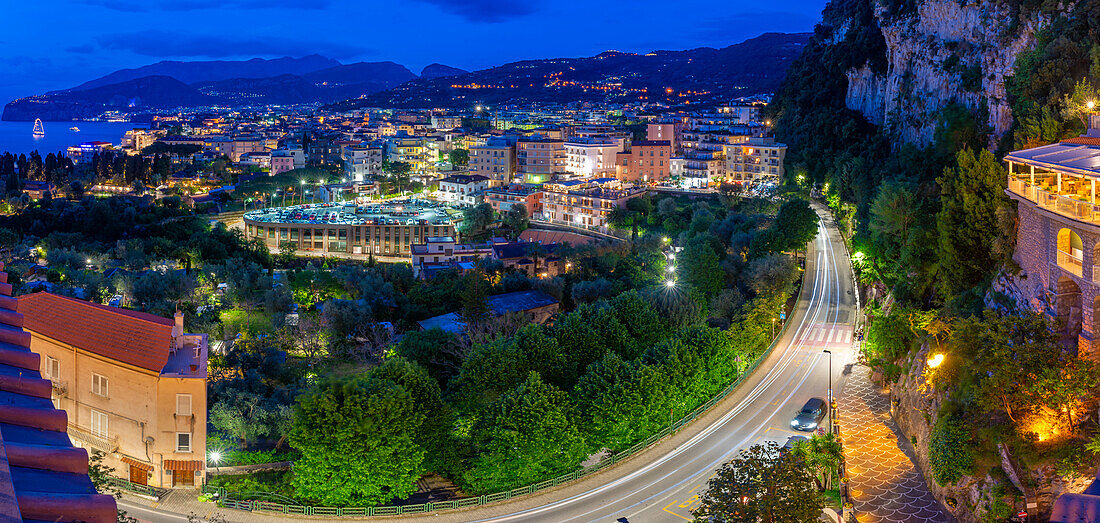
<point x="86" y="151"/>
<point x="43" y="477"/>
<point x="132" y="384"/>
<point x="362" y="161"/>
<point x="444" y="252"/>
<point x="593" y="156"/>
<point x="347" y="191"/>
<point x="502" y="199"/>
<point x="659" y="131"/>
<point x="466" y="189"/>
<point x="540" y="159"/>
<point x="1058" y="236"/>
<point x="585" y="203"/>
<point x="35" y="189"/>
<point x="134" y="140"/>
<point x="495" y="160"/>
<point x="646" y="161"/>
<point x="535" y="306"/>
<point x="536" y="260"/>
<point x="760" y="159"/>
<point x="387" y="228"/>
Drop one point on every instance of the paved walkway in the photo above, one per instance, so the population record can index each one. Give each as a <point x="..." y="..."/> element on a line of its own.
<point x="886" y="486"/>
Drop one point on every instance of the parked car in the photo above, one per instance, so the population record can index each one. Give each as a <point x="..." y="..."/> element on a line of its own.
<point x="810" y="416"/>
<point x="791" y="442"/>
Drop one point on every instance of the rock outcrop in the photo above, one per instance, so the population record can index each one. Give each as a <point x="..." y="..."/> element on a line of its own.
<point x="942" y="53"/>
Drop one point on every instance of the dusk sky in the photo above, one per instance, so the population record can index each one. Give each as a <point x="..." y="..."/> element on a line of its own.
<point x="56" y="44"/>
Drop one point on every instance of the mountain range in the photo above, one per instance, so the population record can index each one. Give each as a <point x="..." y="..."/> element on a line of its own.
<point x="751" y="67"/>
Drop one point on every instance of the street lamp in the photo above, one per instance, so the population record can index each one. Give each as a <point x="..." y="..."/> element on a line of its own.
<point x="935" y="361"/>
<point x="773" y="327"/>
<point x="303" y="196"/>
<point x="830" y="353"/>
<point x="670" y="284"/>
<point x="216" y="458"/>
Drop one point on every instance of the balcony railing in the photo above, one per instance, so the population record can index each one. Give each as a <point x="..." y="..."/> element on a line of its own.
<point x="108" y="445"/>
<point x="1072" y="263"/>
<point x="1058" y="203"/>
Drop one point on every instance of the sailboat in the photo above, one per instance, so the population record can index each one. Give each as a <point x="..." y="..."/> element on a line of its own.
<point x="39" y="131"/>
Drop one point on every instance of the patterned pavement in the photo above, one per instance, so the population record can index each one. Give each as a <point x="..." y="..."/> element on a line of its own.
<point x="884" y="483"/>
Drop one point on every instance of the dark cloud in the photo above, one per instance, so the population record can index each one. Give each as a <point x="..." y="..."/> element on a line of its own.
<point x="487" y="11"/>
<point x="160" y="44"/>
<point x="133" y="6"/>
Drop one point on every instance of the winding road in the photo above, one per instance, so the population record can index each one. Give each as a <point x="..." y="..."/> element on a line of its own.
<point x="663" y="483"/>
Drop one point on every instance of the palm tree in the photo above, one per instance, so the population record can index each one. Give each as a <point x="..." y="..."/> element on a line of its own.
<point x="823" y="455"/>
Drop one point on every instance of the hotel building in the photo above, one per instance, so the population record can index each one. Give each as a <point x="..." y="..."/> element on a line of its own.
<point x="585" y="203"/>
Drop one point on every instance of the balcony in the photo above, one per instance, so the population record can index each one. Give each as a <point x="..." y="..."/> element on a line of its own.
<point x="87" y="439"/>
<point x="1068" y="203"/>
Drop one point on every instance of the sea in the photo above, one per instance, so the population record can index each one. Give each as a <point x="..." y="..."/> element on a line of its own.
<point x="17" y="138"/>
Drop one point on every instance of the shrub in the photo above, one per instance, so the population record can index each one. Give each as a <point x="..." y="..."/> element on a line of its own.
<point x="950" y="452"/>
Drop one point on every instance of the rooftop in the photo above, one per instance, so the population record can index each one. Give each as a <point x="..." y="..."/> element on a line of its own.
<point x="393" y="212"/>
<point x="135" y="338"/>
<point x="501" y="304"/>
<point x="42" y="476"/>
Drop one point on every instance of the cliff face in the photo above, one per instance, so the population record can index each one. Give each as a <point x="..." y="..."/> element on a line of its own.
<point x="944" y="52"/>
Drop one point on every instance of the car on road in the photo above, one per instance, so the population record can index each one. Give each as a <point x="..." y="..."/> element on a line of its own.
<point x="810" y="416"/>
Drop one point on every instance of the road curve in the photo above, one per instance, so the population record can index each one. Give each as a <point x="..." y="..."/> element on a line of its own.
<point x="662" y="484"/>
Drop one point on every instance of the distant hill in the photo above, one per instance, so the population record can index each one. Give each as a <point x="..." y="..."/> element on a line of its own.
<point x="215" y="70"/>
<point x="755" y="66"/>
<point x="326" y="85"/>
<point x="751" y="67"/>
<point x="440" y="71"/>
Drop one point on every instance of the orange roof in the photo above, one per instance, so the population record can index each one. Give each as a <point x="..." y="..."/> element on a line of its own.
<point x="132" y="337"/>
<point x="1083" y="140"/>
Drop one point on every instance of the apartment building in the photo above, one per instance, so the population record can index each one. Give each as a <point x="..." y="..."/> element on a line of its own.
<point x="670" y="131"/>
<point x="362" y="161"/>
<point x="439" y="253"/>
<point x="540" y="159"/>
<point x="646" y="161"/>
<point x="760" y="159"/>
<point x="132" y="384"/>
<point x="585" y="203"/>
<point x="465" y="189"/>
<point x="502" y="199"/>
<point x="1058" y="237"/>
<point x="495" y="160"/>
<point x="591" y="156"/>
<point x="412" y="150"/>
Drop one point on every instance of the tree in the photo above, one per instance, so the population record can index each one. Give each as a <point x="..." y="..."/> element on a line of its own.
<point x="459" y="157"/>
<point x="357" y="439"/>
<point x="967" y="222"/>
<point x="528" y="435"/>
<point x="761" y="485"/>
<point x="771" y="275"/>
<point x="476" y="219"/>
<point x="516" y="219"/>
<point x="101" y="476"/>
<point x="822" y="454"/>
<point x="700" y="268"/>
<point x="475" y="300"/>
<point x="797" y="224"/>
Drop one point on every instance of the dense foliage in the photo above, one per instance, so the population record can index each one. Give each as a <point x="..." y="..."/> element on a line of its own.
<point x="762" y="484"/>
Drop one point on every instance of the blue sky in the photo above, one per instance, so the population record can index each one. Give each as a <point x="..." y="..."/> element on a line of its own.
<point x="54" y="44"/>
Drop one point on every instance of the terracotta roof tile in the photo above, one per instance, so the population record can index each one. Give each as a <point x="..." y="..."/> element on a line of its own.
<point x="42" y="476"/>
<point x="1083" y="140"/>
<point x="131" y="337"/>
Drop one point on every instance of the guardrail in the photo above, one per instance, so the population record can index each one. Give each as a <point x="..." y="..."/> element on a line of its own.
<point x="137" y="488"/>
<point x="226" y="499"/>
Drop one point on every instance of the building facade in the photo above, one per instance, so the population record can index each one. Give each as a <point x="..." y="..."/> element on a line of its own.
<point x="647" y="161"/>
<point x="587" y="157"/>
<point x="1058" y="238"/>
<point x="540" y="159"/>
<point x="133" y="385"/>
<point x="502" y="199"/>
<point x="760" y="159"/>
<point x="495" y="160"/>
<point x="465" y="189"/>
<point x="585" y="203"/>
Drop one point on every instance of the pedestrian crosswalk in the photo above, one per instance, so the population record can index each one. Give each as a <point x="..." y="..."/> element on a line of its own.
<point x="826" y="335"/>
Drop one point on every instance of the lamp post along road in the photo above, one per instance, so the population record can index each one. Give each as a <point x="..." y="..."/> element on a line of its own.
<point x="831" y="409"/>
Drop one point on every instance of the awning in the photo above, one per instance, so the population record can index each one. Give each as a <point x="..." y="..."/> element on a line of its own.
<point x="181" y="464"/>
<point x="135" y="463"/>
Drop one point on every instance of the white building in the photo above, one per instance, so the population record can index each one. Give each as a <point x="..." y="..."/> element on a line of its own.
<point x="362" y="161"/>
<point x="586" y="158"/>
<point x="466" y="189"/>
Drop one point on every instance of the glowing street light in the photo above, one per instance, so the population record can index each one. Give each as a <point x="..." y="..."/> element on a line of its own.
<point x="935" y="361"/>
<point x="665" y="239"/>
<point x="670" y="268"/>
<point x="670" y="283"/>
<point x="1090" y="104"/>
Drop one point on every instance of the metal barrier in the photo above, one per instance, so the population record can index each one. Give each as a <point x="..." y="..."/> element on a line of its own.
<point x="226" y="500"/>
<point x="137" y="488"/>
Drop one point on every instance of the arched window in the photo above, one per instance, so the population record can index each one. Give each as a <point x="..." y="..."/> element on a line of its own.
<point x="1070" y="251"/>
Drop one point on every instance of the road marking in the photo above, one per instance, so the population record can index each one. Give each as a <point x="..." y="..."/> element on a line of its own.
<point x="848" y="336"/>
<point x="675" y="514"/>
<point x="821" y="334"/>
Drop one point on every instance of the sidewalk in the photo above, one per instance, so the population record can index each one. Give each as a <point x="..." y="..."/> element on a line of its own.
<point x="884" y="483"/>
